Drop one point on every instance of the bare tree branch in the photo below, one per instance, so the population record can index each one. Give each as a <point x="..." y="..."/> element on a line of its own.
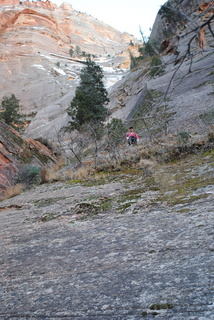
<point x="201" y="26"/>
<point x="188" y="53"/>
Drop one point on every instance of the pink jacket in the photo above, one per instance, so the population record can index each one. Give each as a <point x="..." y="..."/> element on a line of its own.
<point x="132" y="134"/>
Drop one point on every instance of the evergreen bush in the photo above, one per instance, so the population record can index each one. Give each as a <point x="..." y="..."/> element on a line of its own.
<point x="116" y="132"/>
<point x="88" y="104"/>
<point x="183" y="137"/>
<point x="29" y="175"/>
<point x="10" y="107"/>
<point x="156" y="67"/>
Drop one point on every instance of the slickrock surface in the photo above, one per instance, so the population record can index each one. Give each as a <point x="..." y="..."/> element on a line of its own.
<point x="66" y="254"/>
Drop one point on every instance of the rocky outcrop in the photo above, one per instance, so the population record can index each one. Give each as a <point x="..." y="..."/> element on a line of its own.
<point x="161" y="27"/>
<point x="36" y="39"/>
<point x="186" y="83"/>
<point x="14" y="152"/>
<point x="168" y="33"/>
<point x="45" y="4"/>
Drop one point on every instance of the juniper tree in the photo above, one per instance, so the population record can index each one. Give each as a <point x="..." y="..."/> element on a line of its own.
<point x="91" y="97"/>
<point x="10" y="107"/>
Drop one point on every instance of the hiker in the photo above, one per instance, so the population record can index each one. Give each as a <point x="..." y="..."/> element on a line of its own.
<point x="132" y="137"/>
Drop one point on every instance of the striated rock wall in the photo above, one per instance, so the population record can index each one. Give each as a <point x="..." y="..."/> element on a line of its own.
<point x="46" y="4"/>
<point x="186" y="7"/>
<point x="30" y="32"/>
<point x="189" y="93"/>
<point x="35" y="39"/>
<point x="14" y="152"/>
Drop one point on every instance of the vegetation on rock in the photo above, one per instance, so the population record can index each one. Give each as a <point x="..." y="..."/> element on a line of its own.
<point x="10" y="110"/>
<point x="91" y="97"/>
<point x="170" y="14"/>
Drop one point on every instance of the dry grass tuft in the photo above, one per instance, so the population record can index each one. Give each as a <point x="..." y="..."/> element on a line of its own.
<point x="146" y="164"/>
<point x="211" y="134"/>
<point x="13" y="191"/>
<point x="61" y="162"/>
<point x="82" y="173"/>
<point x="48" y="175"/>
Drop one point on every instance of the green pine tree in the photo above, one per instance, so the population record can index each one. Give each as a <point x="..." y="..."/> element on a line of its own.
<point x="10" y="107"/>
<point x="91" y="97"/>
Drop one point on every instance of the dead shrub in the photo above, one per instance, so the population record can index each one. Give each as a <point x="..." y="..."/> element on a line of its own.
<point x="146" y="164"/>
<point x="211" y="134"/>
<point x="82" y="173"/>
<point x="13" y="191"/>
<point x="60" y="163"/>
<point x="48" y="175"/>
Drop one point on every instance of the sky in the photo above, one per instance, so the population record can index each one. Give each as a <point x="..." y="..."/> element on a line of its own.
<point x="124" y="15"/>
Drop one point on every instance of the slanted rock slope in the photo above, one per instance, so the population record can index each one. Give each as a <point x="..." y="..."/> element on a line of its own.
<point x="185" y="86"/>
<point x="112" y="249"/>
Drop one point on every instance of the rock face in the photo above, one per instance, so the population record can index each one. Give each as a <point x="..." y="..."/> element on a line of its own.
<point x="35" y="41"/>
<point x="186" y="84"/>
<point x="14" y="152"/>
<point x="187" y="7"/>
<point x="190" y="96"/>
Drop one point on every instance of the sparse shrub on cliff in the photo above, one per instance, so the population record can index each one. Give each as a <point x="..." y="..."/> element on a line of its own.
<point x="116" y="132"/>
<point x="208" y="117"/>
<point x="47" y="143"/>
<point x="149" y="49"/>
<point x="44" y="175"/>
<point x="77" y="50"/>
<point x="156" y="68"/>
<point x="171" y="15"/>
<point x="211" y="134"/>
<point x="134" y="61"/>
<point x="71" y="52"/>
<point x="183" y="137"/>
<point x="83" y="173"/>
<point x="29" y="175"/>
<point x="48" y="175"/>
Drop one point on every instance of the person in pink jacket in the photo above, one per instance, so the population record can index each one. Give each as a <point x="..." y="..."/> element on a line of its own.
<point x="132" y="137"/>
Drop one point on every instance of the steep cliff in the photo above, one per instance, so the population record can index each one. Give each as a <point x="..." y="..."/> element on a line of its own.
<point x="42" y="47"/>
<point x="180" y="97"/>
<point x="189" y="9"/>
